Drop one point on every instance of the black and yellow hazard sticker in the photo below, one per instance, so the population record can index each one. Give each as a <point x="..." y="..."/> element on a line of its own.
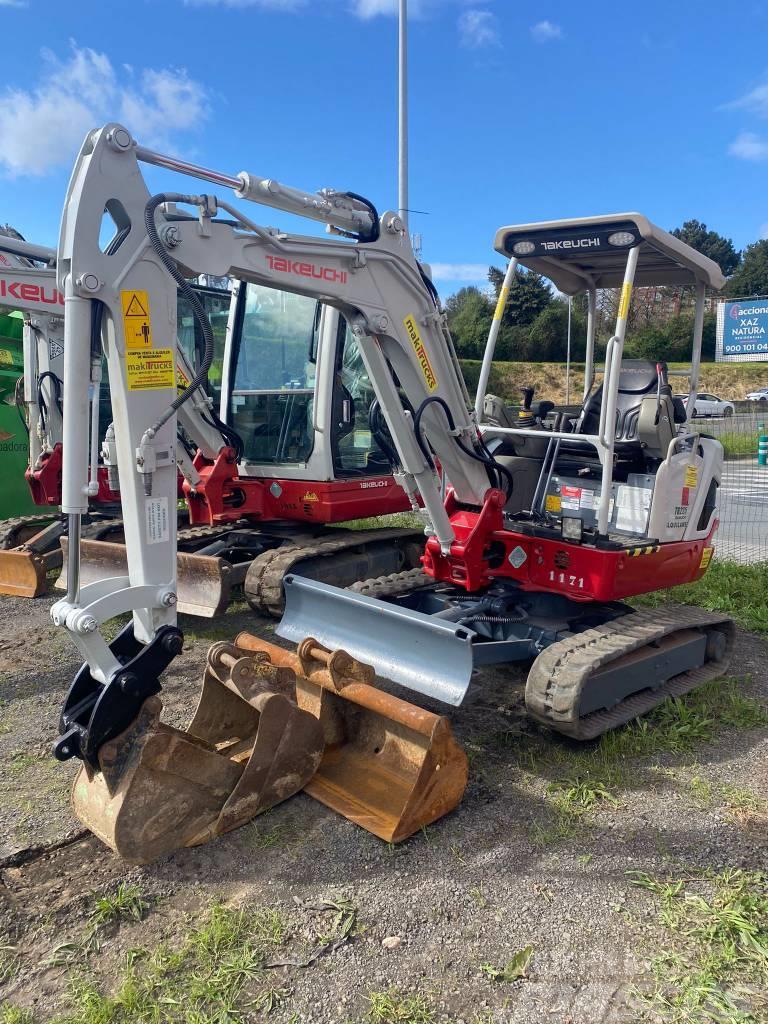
<point x="150" y="371"/>
<point x="647" y="549"/>
<point x="136" y="319"/>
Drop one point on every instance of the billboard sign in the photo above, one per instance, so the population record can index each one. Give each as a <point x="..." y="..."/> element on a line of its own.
<point x="742" y="331"/>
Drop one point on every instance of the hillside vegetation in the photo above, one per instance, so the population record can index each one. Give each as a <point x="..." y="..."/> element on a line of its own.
<point x="726" y="380"/>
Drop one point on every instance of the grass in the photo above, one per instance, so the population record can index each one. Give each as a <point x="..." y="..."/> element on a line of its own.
<point x="738" y="444"/>
<point x="124" y="904"/>
<point x="14" y="1015"/>
<point x="586" y="779"/>
<point x="736" y="799"/>
<point x="206" y="980"/>
<point x="740" y="591"/>
<point x="9" y="962"/>
<point x="396" y="1007"/>
<point x="714" y="965"/>
<point x="513" y="970"/>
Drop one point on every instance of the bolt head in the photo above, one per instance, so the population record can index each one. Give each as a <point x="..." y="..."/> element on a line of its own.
<point x="168" y="600"/>
<point x="89" y="283"/>
<point x="119" y="138"/>
<point x="88" y="625"/>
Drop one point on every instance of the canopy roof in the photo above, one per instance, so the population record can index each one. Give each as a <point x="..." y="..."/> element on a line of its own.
<point x="591" y="252"/>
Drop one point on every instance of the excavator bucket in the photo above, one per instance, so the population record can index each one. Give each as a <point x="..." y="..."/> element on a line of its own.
<point x="204" y="583"/>
<point x="247" y="748"/>
<point x="23" y="573"/>
<point x="388" y="765"/>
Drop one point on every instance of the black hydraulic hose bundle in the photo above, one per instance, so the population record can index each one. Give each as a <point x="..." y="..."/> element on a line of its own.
<point x="495" y="470"/>
<point x="200" y="379"/>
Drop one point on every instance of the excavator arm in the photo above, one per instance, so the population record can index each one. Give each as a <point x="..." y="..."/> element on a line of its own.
<point x="129" y="289"/>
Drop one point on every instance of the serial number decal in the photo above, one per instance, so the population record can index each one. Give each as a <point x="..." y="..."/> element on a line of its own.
<point x="421" y="353"/>
<point x="566" y="578"/>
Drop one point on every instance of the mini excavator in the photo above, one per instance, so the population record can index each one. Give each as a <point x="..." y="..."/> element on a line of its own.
<point x="541" y="533"/>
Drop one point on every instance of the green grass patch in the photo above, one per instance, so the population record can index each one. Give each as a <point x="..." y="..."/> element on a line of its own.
<point x="740" y="591"/>
<point x="399" y="520"/>
<point x="213" y="976"/>
<point x="396" y="1007"/>
<point x="124" y="904"/>
<point x="714" y="967"/>
<point x="736" y="444"/>
<point x="15" y="1015"/>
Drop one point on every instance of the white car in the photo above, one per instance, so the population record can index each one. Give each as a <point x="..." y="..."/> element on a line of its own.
<point x="711" y="405"/>
<point x="761" y="395"/>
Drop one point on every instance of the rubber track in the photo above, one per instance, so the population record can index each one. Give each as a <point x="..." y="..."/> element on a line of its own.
<point x="396" y="584"/>
<point x="264" y="582"/>
<point x="561" y="672"/>
<point x="10" y="527"/>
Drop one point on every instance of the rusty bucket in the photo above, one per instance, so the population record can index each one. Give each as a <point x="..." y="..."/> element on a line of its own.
<point x="389" y="766"/>
<point x="247" y="748"/>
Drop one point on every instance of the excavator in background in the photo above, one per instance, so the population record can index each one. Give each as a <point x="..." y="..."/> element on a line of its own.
<point x="530" y="552"/>
<point x="255" y="510"/>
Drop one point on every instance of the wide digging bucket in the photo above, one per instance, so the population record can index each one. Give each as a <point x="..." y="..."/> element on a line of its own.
<point x="388" y="765"/>
<point x="203" y="582"/>
<point x="23" y="573"/>
<point x="247" y="748"/>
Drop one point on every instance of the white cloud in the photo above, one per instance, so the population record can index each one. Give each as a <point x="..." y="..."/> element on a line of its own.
<point x="749" y="146"/>
<point x="764" y="230"/>
<point x="477" y="29"/>
<point x="459" y="271"/>
<point x="13" y="3"/>
<point x="756" y="101"/>
<point x="42" y="127"/>
<point x="546" y="31"/>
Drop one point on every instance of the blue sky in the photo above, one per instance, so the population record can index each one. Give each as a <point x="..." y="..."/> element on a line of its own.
<point x="520" y="110"/>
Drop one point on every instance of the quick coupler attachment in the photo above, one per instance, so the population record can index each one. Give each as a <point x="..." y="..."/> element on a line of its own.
<point x="248" y="747"/>
<point x="95" y="713"/>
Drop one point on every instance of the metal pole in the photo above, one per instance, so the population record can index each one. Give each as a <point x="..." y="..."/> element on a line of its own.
<point x="402" y="114"/>
<point x="568" y="356"/>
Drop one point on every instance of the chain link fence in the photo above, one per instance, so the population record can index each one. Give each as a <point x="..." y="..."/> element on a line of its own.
<point x="743" y="532"/>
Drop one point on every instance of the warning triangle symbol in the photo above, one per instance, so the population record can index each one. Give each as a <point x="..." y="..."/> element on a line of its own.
<point x="135" y="308"/>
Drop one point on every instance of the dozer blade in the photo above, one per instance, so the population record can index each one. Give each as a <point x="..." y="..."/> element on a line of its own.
<point x="389" y="766"/>
<point x="423" y="652"/>
<point x="23" y="573"/>
<point x="203" y="582"/>
<point x="247" y="748"/>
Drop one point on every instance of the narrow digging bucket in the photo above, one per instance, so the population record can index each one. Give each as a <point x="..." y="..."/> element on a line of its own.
<point x="203" y="582"/>
<point x="23" y="573"/>
<point x="247" y="748"/>
<point x="389" y="766"/>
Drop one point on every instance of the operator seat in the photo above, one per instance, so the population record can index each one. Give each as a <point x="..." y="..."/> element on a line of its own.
<point x="646" y="412"/>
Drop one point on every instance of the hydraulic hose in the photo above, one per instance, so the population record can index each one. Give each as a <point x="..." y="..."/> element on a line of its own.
<point x="200" y="380"/>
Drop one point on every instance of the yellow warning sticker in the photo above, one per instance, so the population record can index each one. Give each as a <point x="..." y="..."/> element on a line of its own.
<point x="421" y="353"/>
<point x="182" y="380"/>
<point x="150" y="371"/>
<point x="552" y="504"/>
<point x="706" y="557"/>
<point x="136" y="319"/>
<point x="499" y="311"/>
<point x="310" y="496"/>
<point x="626" y="297"/>
<point x="691" y="476"/>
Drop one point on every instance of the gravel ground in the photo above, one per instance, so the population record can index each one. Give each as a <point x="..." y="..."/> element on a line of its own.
<point x="472" y="890"/>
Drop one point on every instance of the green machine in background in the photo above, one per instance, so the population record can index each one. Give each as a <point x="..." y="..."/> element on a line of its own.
<point x="15" y="499"/>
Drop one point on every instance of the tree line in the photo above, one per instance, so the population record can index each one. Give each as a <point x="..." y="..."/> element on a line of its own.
<point x="535" y="322"/>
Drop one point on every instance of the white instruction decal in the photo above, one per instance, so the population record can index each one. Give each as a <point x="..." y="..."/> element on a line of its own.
<point x="587" y="499"/>
<point x="157" y="520"/>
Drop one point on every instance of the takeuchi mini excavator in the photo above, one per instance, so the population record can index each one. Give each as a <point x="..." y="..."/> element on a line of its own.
<point x="517" y="564"/>
<point x="270" y="504"/>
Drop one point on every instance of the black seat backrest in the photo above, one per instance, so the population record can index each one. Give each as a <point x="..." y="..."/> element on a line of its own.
<point x="638" y="379"/>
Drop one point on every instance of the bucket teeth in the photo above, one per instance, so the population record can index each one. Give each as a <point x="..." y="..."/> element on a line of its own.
<point x="247" y="748"/>
<point x="388" y="765"/>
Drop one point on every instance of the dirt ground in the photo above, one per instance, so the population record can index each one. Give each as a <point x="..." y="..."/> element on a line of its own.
<point x="487" y="881"/>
